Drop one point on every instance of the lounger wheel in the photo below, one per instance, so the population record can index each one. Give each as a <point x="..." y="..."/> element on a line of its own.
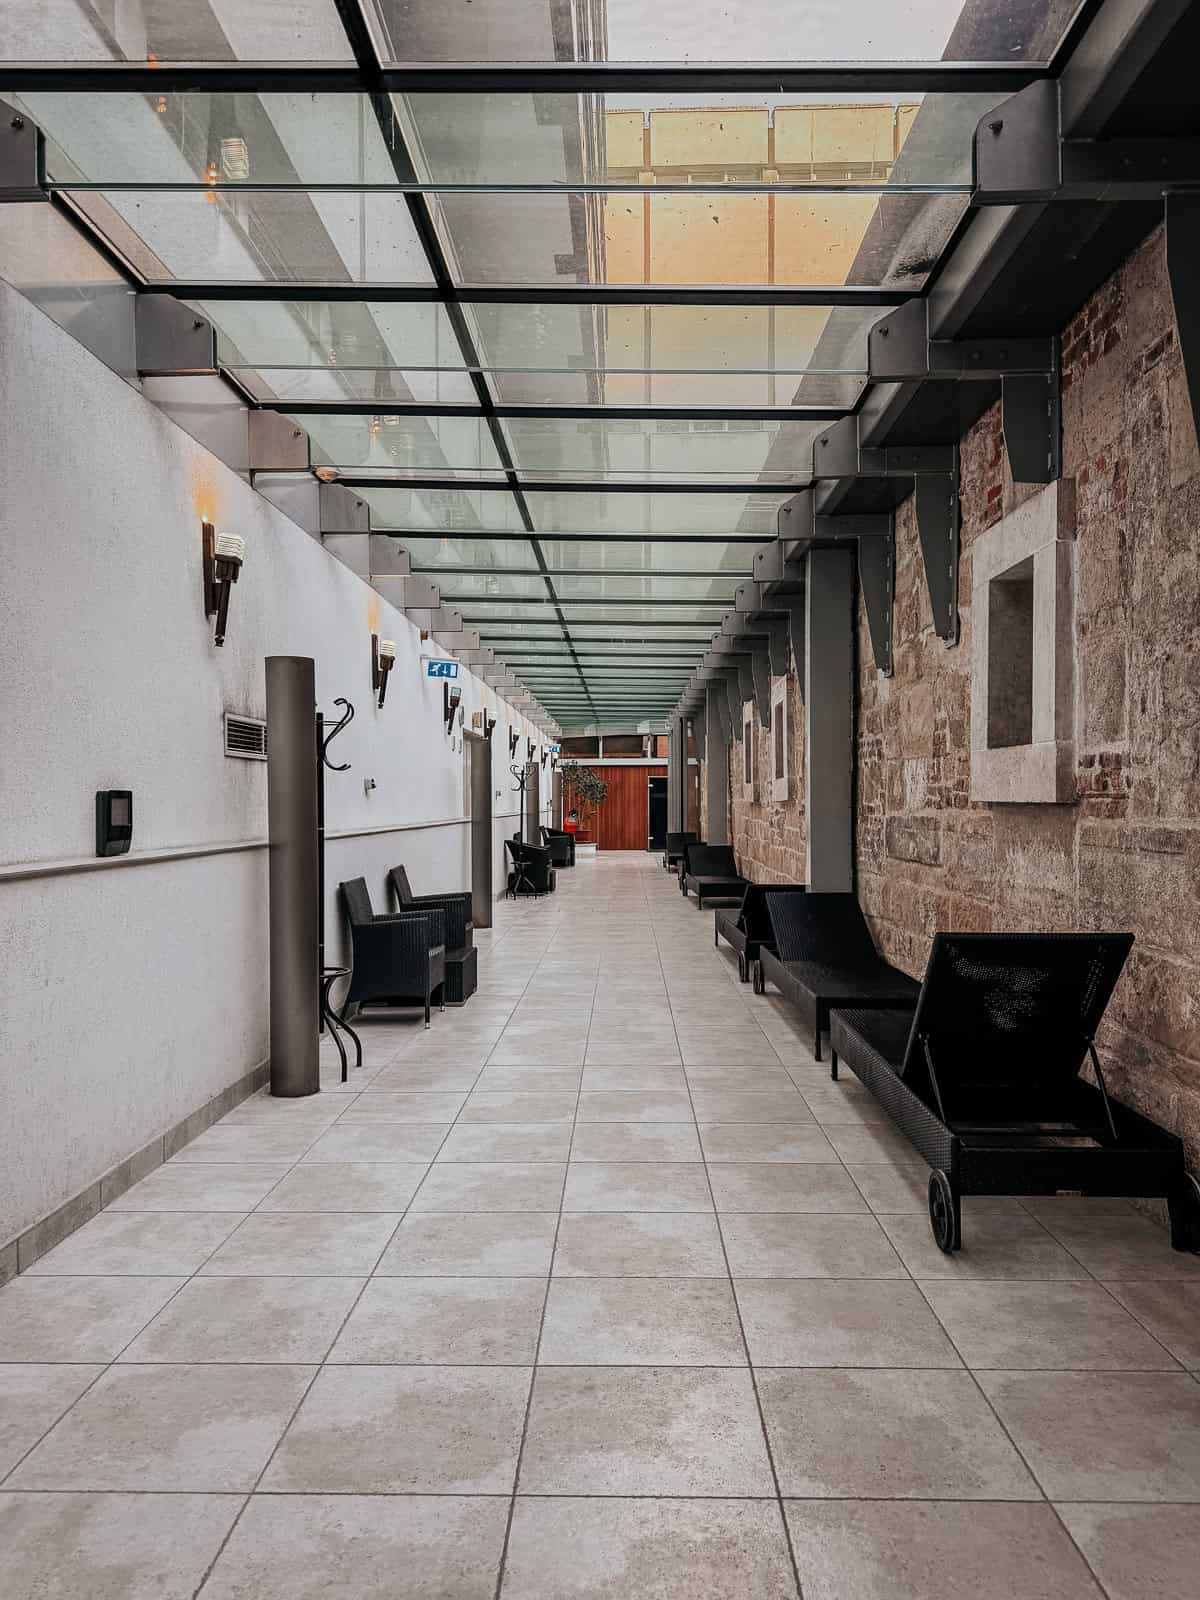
<point x="760" y="980"/>
<point x="944" y="1214"/>
<point x="1184" y="1209"/>
<point x="743" y="967"/>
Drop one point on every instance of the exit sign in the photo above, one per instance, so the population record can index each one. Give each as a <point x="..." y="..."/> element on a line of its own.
<point x="440" y="669"/>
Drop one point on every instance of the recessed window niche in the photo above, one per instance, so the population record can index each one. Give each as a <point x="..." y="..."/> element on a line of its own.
<point x="1023" y="653"/>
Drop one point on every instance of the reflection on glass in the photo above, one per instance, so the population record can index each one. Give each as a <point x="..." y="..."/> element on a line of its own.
<point x="639" y="448"/>
<point x="452" y="510"/>
<point x="465" y="587"/>
<point x="664" y="511"/>
<point x="413" y="444"/>
<point x="184" y="30"/>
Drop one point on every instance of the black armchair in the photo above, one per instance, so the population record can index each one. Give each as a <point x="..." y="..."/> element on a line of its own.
<point x="561" y="846"/>
<point x="398" y="960"/>
<point x="456" y="908"/>
<point x="532" y="872"/>
<point x="676" y="845"/>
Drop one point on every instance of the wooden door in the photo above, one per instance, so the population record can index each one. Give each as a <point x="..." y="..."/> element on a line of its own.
<point x="622" y="821"/>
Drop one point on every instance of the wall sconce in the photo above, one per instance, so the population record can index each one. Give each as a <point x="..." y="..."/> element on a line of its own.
<point x="514" y="739"/>
<point x="224" y="554"/>
<point x="545" y="753"/>
<point x="383" y="657"/>
<point x="489" y="726"/>
<point x="529" y="747"/>
<point x="451" y="700"/>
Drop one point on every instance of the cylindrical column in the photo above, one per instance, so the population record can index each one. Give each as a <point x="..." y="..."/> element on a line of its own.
<point x="295" y="909"/>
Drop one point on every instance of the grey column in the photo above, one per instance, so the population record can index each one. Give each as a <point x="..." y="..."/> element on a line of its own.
<point x="716" y="764"/>
<point x="295" y="910"/>
<point x="556" y="799"/>
<point x="533" y="803"/>
<point x="677" y="776"/>
<point x="479" y="755"/>
<point x="829" y="720"/>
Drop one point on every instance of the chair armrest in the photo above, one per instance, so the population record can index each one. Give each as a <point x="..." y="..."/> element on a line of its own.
<point x="456" y="908"/>
<point x="432" y="924"/>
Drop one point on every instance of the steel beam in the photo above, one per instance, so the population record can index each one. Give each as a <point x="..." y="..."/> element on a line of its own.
<point x="937" y="508"/>
<point x="901" y="349"/>
<point x="877" y="583"/>
<point x="173" y="340"/>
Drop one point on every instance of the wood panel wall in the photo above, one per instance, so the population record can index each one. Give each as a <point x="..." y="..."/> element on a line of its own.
<point x="622" y="822"/>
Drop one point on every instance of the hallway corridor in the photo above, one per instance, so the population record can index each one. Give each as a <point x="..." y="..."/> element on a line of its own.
<point x="598" y="1288"/>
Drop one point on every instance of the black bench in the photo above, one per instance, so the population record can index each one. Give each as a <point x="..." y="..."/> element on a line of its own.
<point x="748" y="927"/>
<point x="824" y="956"/>
<point x="462" y="958"/>
<point x="983" y="1076"/>
<point x="709" y="871"/>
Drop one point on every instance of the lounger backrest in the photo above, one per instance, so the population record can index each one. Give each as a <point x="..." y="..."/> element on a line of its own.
<point x="1011" y="1008"/>
<point x="676" y="842"/>
<point x="711" y="861"/>
<point x="399" y="882"/>
<point x="753" y="919"/>
<point x="829" y="929"/>
<point x="357" y="902"/>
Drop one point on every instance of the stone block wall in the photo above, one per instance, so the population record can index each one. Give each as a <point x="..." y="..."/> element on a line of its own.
<point x="1124" y="853"/>
<point x="767" y="834"/>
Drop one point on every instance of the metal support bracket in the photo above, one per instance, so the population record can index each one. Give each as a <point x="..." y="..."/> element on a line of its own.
<point x="172" y="340"/>
<point x="1032" y="411"/>
<point x="877" y="580"/>
<point x="900" y="350"/>
<point x="760" y="665"/>
<point x="277" y="444"/>
<point x="20" y="156"/>
<point x="937" y="527"/>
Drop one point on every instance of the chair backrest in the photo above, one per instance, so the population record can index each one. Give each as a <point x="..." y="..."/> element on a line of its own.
<point x="399" y="882"/>
<point x="826" y="928"/>
<point x="1011" y="1010"/>
<point x="711" y="861"/>
<point x="752" y="918"/>
<point x="357" y="902"/>
<point x="677" y="841"/>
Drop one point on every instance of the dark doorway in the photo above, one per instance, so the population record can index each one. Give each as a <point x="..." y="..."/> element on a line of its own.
<point x="658" y="814"/>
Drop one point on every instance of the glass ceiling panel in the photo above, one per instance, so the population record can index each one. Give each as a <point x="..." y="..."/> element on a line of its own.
<point x="883" y="240"/>
<point x="589" y="555"/>
<point x="403" y="443"/>
<point x="464" y="587"/>
<point x="344" y="336"/>
<point x="667" y="511"/>
<point x="184" y="30"/>
<point x="717" y="31"/>
<point x="743" y="450"/>
<point x="455" y="510"/>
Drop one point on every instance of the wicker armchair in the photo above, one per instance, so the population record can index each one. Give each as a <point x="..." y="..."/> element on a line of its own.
<point x="747" y="927"/>
<point x="456" y="908"/>
<point x="983" y="1075"/>
<point x="561" y="846"/>
<point x="532" y="872"/>
<point x="676" y="843"/>
<point x="398" y="960"/>
<point x="824" y="956"/>
<point x="710" y="872"/>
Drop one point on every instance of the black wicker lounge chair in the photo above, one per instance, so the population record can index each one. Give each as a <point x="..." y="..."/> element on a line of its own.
<point x="676" y="842"/>
<point x="984" y="1077"/>
<point x="710" y="872"/>
<point x="531" y="871"/>
<point x="824" y="956"/>
<point x="398" y="960"/>
<point x="561" y="846"/>
<point x="747" y="927"/>
<point x="462" y="959"/>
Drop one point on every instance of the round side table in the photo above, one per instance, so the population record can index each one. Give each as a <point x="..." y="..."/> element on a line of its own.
<point x="336" y="1025"/>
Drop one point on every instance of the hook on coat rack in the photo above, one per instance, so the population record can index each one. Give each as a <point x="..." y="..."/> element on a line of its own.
<point x="346" y="718"/>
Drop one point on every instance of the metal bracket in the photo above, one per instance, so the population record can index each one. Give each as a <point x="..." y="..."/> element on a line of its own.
<point x="1032" y="412"/>
<point x="937" y="527"/>
<point x="277" y="444"/>
<point x="171" y="339"/>
<point x="877" y="580"/>
<point x="20" y="156"/>
<point x="837" y="453"/>
<point x="342" y="511"/>
<point x="900" y="350"/>
<point x="760" y="670"/>
<point x="1183" y="266"/>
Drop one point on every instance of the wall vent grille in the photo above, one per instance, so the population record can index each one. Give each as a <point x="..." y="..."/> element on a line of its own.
<point x="245" y="737"/>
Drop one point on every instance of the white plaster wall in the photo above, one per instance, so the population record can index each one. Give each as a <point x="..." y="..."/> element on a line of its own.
<point x="134" y="994"/>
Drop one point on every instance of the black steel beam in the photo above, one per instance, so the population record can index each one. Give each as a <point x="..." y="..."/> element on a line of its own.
<point x="537" y="294"/>
<point x="508" y="536"/>
<point x="415" y="408"/>
<point x="551" y="486"/>
<point x="1119" y="42"/>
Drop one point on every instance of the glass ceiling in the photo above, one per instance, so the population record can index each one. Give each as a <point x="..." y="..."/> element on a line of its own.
<point x="569" y="302"/>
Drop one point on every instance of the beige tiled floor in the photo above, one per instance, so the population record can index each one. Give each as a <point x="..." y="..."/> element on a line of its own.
<point x="598" y="1288"/>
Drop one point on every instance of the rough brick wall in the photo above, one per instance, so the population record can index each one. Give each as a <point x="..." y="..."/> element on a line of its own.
<point x="1126" y="853"/>
<point x="767" y="834"/>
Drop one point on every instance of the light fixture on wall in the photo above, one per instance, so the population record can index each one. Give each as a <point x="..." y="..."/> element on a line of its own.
<point x="383" y="657"/>
<point x="326" y="474"/>
<point x="451" y="700"/>
<point x="489" y="726"/>
<point x="529" y="749"/>
<point x="223" y="555"/>
<point x="514" y="739"/>
<point x="545" y="753"/>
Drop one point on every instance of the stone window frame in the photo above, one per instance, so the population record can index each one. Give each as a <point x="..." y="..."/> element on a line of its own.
<point x="779" y="731"/>
<point x="1040" y="531"/>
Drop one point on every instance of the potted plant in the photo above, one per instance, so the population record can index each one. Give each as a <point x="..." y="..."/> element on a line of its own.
<point x="583" y="790"/>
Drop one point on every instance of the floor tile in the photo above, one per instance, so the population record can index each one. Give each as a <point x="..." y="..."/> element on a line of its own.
<point x="1016" y="1326"/>
<point x="632" y="1073"/>
<point x="491" y="1186"/>
<point x="405" y="1430"/>
<point x="138" y="1244"/>
<point x="202" y="1187"/>
<point x="650" y="1244"/>
<point x="870" y="1142"/>
<point x="764" y="1141"/>
<point x="881" y="1550"/>
<point x="994" y="1245"/>
<point x="444" y="1322"/>
<point x="644" y="1431"/>
<point x="887" y="1435"/>
<point x="782" y="1186"/>
<point x="1170" y="1311"/>
<point x="771" y="1106"/>
<point x="532" y="1076"/>
<point x="792" y="1246"/>
<point x="519" y="1105"/>
<point x="1139" y="1552"/>
<point x="636" y="1186"/>
<point x="841" y="1322"/>
<point x="633" y="1105"/>
<point x="77" y="1319"/>
<point x="1125" y="1246"/>
<point x="111" y="1546"/>
<point x="252" y="1141"/>
<point x="578" y="1549"/>
<point x="636" y="1141"/>
<point x="847" y="1105"/>
<point x="1104" y="1436"/>
<point x="248" y="1320"/>
<point x="888" y="1188"/>
<point x="306" y="1244"/>
<point x="156" y="1428"/>
<point x="471" y="1244"/>
<point x="507" y="1141"/>
<point x="735" y="1075"/>
<point x="32" y="1398"/>
<point x="378" y="1141"/>
<point x="346" y="1186"/>
<point x="403" y="1547"/>
<point x="641" y="1322"/>
<point x="429" y="1106"/>
<point x="409" y="1077"/>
